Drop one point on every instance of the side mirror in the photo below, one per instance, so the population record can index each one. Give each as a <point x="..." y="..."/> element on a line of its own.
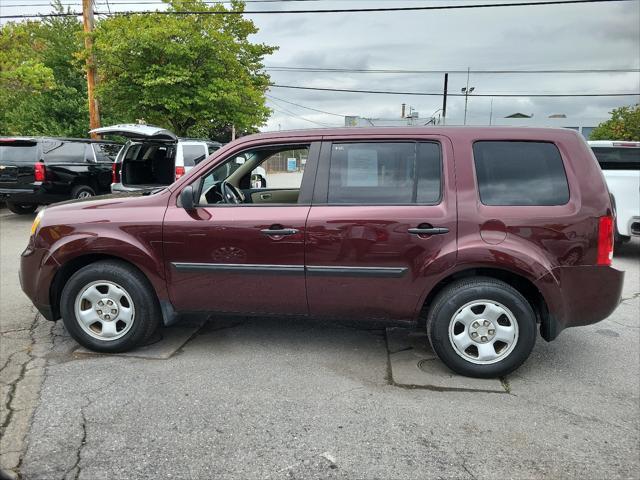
<point x="186" y="198"/>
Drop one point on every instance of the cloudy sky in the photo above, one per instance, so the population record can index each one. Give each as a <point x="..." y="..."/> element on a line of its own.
<point x="591" y="36"/>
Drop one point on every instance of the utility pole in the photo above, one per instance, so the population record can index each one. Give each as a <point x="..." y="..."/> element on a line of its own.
<point x="233" y="132"/>
<point x="88" y="24"/>
<point x="444" y="99"/>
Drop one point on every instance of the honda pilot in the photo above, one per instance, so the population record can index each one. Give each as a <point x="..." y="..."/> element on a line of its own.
<point x="482" y="236"/>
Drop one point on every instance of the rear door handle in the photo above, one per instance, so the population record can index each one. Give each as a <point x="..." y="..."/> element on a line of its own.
<point x="428" y="231"/>
<point x="279" y="231"/>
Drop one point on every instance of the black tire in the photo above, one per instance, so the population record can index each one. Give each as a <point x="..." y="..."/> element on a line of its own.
<point x="21" y="208"/>
<point x="460" y="293"/>
<point x="82" y="191"/>
<point x="146" y="319"/>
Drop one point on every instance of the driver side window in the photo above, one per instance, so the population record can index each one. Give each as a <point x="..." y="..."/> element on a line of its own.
<point x="262" y="176"/>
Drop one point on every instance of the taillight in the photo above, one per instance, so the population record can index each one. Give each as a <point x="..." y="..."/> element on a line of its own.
<point x="115" y="173"/>
<point x="605" y="240"/>
<point x="179" y="172"/>
<point x="40" y="172"/>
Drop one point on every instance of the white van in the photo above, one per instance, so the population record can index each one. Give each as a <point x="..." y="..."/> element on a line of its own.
<point x="620" y="162"/>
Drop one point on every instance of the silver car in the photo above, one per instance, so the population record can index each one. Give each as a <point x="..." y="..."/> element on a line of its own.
<point x="153" y="156"/>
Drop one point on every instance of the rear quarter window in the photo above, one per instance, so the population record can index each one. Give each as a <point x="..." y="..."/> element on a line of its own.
<point x="106" y="152"/>
<point x="618" y="158"/>
<point x="193" y="154"/>
<point x="520" y="173"/>
<point x="64" y="152"/>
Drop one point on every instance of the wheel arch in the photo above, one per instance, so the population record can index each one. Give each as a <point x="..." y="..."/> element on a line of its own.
<point x="521" y="283"/>
<point x="67" y="269"/>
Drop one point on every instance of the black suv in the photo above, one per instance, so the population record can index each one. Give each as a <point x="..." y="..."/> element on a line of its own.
<point x="44" y="170"/>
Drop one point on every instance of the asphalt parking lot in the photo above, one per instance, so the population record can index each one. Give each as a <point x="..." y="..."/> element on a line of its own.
<point x="272" y="398"/>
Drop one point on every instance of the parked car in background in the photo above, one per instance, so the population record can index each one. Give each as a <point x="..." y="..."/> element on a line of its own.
<point x="620" y="162"/>
<point x="153" y="156"/>
<point x="42" y="170"/>
<point x="480" y="235"/>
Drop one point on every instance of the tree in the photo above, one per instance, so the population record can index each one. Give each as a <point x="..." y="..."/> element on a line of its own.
<point x="194" y="74"/>
<point x="624" y="124"/>
<point x="42" y="83"/>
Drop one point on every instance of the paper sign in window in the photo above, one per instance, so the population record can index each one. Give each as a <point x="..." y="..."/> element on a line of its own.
<point x="362" y="167"/>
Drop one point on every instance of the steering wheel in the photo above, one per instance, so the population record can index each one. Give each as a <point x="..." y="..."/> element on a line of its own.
<point x="230" y="194"/>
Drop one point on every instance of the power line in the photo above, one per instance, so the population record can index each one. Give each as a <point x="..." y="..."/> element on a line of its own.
<point x="452" y="71"/>
<point x="288" y="113"/>
<point x="385" y="92"/>
<point x="331" y="10"/>
<point x="302" y="106"/>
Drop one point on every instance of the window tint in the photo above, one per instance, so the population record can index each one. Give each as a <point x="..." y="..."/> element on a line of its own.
<point x="18" y="153"/>
<point x="618" y="158"/>
<point x="193" y="154"/>
<point x="520" y="173"/>
<point x="66" y="152"/>
<point x="385" y="173"/>
<point x="106" y="152"/>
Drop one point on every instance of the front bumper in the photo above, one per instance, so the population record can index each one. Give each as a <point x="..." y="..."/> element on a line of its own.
<point x="579" y="295"/>
<point x="37" y="271"/>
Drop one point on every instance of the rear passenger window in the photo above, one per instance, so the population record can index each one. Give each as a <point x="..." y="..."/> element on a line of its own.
<point x="64" y="152"/>
<point x="385" y="173"/>
<point x="520" y="173"/>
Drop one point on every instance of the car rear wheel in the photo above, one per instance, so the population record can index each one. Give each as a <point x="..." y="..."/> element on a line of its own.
<point x="481" y="327"/>
<point x="109" y="306"/>
<point x="82" y="191"/>
<point x="21" y="208"/>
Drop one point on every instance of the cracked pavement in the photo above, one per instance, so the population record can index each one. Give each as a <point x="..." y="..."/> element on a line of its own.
<point x="288" y="398"/>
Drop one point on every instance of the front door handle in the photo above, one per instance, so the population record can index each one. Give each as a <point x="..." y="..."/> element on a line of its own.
<point x="428" y="231"/>
<point x="279" y="231"/>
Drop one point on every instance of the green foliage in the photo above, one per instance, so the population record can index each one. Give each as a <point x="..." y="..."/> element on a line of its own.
<point x="624" y="124"/>
<point x="194" y="74"/>
<point x="42" y="83"/>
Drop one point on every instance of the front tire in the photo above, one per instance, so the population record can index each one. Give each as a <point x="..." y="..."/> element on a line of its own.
<point x="481" y="327"/>
<point x="109" y="306"/>
<point x="21" y="208"/>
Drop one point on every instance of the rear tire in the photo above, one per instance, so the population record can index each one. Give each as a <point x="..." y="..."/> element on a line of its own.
<point x="109" y="306"/>
<point x="21" y="208"/>
<point x="481" y="327"/>
<point x="82" y="191"/>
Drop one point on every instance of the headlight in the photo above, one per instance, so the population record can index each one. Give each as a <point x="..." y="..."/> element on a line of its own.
<point x="36" y="222"/>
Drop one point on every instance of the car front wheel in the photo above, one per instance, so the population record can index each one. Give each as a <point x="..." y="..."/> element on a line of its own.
<point x="481" y="327"/>
<point x="109" y="306"/>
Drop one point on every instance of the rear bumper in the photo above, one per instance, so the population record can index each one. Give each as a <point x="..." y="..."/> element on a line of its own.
<point x="579" y="295"/>
<point x="38" y="195"/>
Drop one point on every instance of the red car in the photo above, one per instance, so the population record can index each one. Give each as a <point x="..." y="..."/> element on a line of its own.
<point x="478" y="234"/>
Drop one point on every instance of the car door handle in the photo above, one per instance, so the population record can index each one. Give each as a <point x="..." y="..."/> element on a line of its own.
<point x="279" y="231"/>
<point x="265" y="196"/>
<point x="428" y="231"/>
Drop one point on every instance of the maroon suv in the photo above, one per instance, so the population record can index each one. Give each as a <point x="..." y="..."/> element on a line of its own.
<point x="479" y="234"/>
